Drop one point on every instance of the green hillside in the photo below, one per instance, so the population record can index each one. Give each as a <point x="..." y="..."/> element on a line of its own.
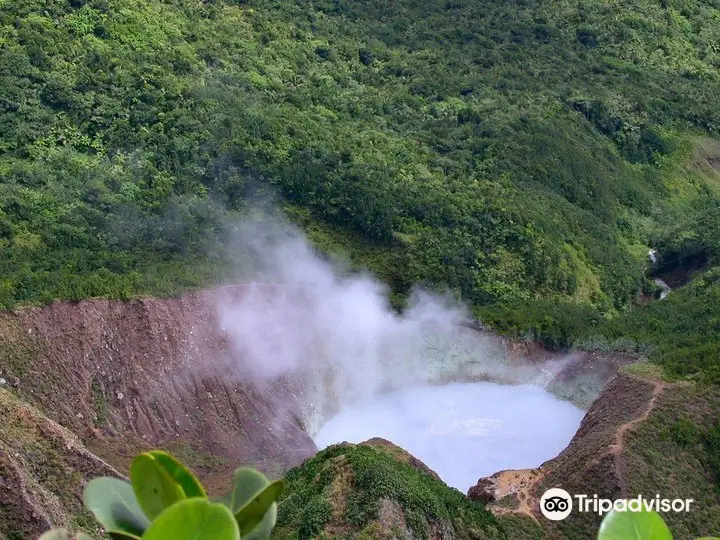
<point x="376" y="490"/>
<point x="524" y="155"/>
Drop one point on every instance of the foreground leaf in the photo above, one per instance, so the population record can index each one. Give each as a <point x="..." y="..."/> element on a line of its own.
<point x="194" y="519"/>
<point x="628" y="525"/>
<point x="154" y="488"/>
<point x="250" y="515"/>
<point x="247" y="484"/>
<point x="178" y="472"/>
<point x="263" y="530"/>
<point x="114" y="505"/>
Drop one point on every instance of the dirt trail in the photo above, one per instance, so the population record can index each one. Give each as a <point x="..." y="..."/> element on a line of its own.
<point x="601" y="433"/>
<point x="658" y="388"/>
<point x="617" y="449"/>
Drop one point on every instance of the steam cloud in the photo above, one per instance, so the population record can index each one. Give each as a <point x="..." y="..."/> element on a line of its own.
<point x="333" y="332"/>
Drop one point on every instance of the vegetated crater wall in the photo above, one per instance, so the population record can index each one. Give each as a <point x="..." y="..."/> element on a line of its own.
<point x="631" y="442"/>
<point x="165" y="373"/>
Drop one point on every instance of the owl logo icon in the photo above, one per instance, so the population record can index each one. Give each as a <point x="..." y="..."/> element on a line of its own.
<point x="556" y="504"/>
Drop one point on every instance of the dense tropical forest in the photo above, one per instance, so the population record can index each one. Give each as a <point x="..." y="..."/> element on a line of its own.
<point x="524" y="155"/>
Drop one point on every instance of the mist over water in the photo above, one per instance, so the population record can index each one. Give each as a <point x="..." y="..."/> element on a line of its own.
<point x="332" y="336"/>
<point x="463" y="431"/>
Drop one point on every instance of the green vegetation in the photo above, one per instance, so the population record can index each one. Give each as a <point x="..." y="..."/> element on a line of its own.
<point x="505" y="148"/>
<point x="366" y="492"/>
<point x="165" y="500"/>
<point x="711" y="438"/>
<point x="523" y="155"/>
<point x="672" y="453"/>
<point x="643" y="525"/>
<point x="688" y="434"/>
<point x="680" y="332"/>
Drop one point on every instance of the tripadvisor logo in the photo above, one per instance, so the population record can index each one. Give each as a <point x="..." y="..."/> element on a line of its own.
<point x="556" y="504"/>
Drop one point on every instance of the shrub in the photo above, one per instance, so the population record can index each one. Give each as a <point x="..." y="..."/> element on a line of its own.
<point x="165" y="500"/>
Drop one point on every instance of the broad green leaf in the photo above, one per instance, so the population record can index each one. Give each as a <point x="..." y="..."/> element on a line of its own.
<point x="263" y="530"/>
<point x="194" y="519"/>
<point x="63" y="534"/>
<point x="247" y="483"/>
<point x="178" y="472"/>
<point x="628" y="525"/>
<point x="115" y="535"/>
<point x="114" y="505"/>
<point x="154" y="488"/>
<point x="250" y="515"/>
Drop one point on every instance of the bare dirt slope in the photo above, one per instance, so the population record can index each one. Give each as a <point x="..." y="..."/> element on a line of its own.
<point x="150" y="373"/>
<point x="624" y="447"/>
<point x="43" y="467"/>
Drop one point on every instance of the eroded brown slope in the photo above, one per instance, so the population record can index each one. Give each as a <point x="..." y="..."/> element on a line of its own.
<point x="150" y="372"/>
<point x="623" y="448"/>
<point x="43" y="468"/>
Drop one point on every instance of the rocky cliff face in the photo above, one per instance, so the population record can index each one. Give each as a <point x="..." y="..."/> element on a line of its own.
<point x="150" y="372"/>
<point x="43" y="467"/>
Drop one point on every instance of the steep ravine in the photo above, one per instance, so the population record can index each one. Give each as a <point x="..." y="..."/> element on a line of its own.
<point x="160" y="373"/>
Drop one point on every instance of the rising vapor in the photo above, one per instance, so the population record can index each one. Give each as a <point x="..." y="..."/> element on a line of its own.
<point x="334" y="333"/>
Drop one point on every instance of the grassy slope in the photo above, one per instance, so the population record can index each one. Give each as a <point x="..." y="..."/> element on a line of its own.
<point x="346" y="490"/>
<point x="675" y="453"/>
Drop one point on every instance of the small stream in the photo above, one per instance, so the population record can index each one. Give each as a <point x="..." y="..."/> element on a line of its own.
<point x="652" y="255"/>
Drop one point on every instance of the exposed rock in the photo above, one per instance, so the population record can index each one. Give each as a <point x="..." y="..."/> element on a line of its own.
<point x="393" y="520"/>
<point x="43" y="468"/>
<point x="138" y="374"/>
<point x="584" y="374"/>
<point x="483" y="492"/>
<point x="578" y="376"/>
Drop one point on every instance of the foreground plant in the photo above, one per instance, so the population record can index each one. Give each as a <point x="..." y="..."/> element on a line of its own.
<point x="629" y="525"/>
<point x="165" y="500"/>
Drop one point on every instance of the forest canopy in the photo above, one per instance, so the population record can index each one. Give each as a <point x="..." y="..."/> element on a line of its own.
<point x="524" y="155"/>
